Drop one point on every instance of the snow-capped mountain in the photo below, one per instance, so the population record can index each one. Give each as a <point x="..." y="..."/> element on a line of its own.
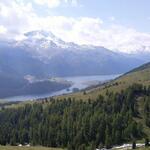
<point x="45" y="40"/>
<point x="41" y="53"/>
<point x="44" y="45"/>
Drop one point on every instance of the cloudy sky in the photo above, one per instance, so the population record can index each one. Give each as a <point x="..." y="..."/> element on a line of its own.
<point x="120" y="25"/>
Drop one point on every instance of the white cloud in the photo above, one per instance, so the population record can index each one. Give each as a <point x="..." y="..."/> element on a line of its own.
<point x="18" y="18"/>
<point x="56" y="3"/>
<point x="3" y="30"/>
<point x="3" y="10"/>
<point x="49" y="3"/>
<point x="73" y="2"/>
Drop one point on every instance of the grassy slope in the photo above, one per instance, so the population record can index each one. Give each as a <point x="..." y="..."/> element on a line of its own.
<point x="139" y="75"/>
<point x="26" y="148"/>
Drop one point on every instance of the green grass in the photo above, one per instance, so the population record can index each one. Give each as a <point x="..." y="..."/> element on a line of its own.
<point x="26" y="148"/>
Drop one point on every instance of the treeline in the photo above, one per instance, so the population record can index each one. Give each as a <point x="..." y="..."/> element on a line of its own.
<point x="77" y="125"/>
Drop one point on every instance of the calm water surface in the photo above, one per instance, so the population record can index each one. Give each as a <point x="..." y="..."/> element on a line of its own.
<point x="78" y="82"/>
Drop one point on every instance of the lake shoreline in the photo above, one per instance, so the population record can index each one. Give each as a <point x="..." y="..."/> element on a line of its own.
<point x="79" y="83"/>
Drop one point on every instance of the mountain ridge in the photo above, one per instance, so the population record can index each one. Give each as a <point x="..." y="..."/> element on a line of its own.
<point x="45" y="49"/>
<point x="42" y="55"/>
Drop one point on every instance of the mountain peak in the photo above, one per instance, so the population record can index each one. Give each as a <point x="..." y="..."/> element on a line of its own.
<point x="39" y="34"/>
<point x="43" y="39"/>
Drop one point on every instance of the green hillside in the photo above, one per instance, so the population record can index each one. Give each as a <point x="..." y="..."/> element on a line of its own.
<point x="140" y="75"/>
<point x="112" y="114"/>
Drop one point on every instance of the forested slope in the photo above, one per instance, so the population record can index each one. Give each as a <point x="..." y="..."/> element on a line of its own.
<point x="119" y="112"/>
<point x="106" y="121"/>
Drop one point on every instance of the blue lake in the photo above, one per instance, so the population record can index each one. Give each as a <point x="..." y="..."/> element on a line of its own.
<point x="78" y="82"/>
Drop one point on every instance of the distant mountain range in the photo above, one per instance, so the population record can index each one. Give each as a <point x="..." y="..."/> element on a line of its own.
<point x="42" y="54"/>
